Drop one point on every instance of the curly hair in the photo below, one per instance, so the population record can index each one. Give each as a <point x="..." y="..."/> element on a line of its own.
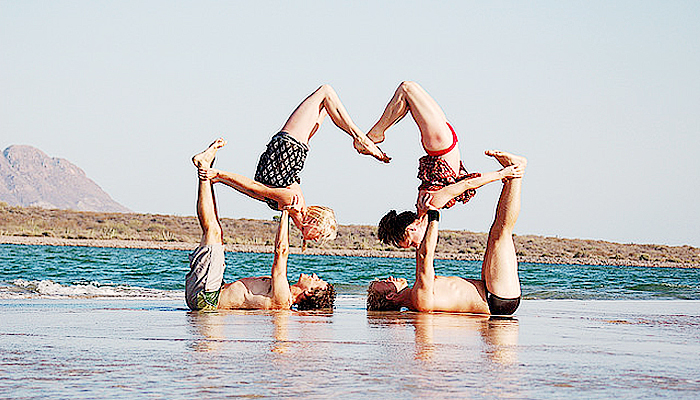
<point x="392" y="227"/>
<point x="323" y="220"/>
<point x="377" y="301"/>
<point x="318" y="299"/>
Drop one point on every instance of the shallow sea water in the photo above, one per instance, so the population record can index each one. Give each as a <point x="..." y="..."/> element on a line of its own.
<point x="90" y="348"/>
<point x="94" y="323"/>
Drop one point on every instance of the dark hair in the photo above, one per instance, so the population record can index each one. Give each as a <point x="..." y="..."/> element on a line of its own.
<point x="392" y="227"/>
<point x="377" y="301"/>
<point x="318" y="299"/>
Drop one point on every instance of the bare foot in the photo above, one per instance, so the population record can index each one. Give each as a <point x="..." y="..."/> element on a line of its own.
<point x="506" y="159"/>
<point x="206" y="158"/>
<point x="376" y="137"/>
<point x="363" y="145"/>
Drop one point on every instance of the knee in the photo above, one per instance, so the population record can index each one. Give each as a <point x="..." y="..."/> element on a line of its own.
<point x="409" y="86"/>
<point x="500" y="230"/>
<point x="326" y="90"/>
<point x="214" y="233"/>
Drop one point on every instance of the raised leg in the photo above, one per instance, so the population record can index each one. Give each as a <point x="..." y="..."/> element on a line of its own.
<point x="206" y="158"/>
<point x="500" y="267"/>
<point x="308" y="116"/>
<point x="506" y="159"/>
<point x="431" y="120"/>
<point x="207" y="211"/>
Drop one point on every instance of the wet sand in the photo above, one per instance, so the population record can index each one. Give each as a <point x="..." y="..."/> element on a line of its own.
<point x="91" y="348"/>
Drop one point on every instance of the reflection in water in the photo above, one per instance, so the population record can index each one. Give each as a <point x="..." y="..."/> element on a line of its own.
<point x="207" y="330"/>
<point x="280" y="320"/>
<point x="501" y="339"/>
<point x="499" y="336"/>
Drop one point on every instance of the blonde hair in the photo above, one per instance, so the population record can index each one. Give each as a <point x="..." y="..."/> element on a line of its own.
<point x="323" y="220"/>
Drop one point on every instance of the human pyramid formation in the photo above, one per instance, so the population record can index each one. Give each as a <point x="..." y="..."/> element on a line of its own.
<point x="444" y="182"/>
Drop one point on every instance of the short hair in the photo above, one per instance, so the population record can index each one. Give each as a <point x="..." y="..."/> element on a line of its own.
<point x="377" y="301"/>
<point x="392" y="227"/>
<point x="323" y="219"/>
<point x="318" y="299"/>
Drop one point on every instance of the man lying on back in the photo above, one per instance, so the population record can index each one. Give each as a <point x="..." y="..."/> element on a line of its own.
<point x="498" y="290"/>
<point x="204" y="287"/>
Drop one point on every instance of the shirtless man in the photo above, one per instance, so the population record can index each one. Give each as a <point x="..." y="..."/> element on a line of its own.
<point x="498" y="290"/>
<point x="440" y="168"/>
<point x="204" y="287"/>
<point x="277" y="175"/>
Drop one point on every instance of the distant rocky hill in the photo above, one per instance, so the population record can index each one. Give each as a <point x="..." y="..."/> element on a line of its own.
<point x="28" y="177"/>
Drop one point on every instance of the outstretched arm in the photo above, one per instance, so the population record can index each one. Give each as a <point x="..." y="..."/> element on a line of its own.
<point x="425" y="269"/>
<point x="439" y="198"/>
<point x="283" y="196"/>
<point x="281" y="294"/>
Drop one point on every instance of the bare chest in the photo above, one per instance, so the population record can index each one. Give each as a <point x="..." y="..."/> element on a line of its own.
<point x="247" y="293"/>
<point x="455" y="294"/>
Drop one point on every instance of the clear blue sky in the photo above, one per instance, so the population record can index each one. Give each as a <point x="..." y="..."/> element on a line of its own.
<point x="602" y="97"/>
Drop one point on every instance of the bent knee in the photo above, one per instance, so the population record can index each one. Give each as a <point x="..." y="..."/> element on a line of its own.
<point x="501" y="230"/>
<point x="213" y="235"/>
<point x="326" y="89"/>
<point x="409" y="86"/>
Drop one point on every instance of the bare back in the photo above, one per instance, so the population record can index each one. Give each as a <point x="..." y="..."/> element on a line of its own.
<point x="249" y="293"/>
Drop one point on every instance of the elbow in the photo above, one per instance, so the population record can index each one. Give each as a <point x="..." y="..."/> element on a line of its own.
<point x="425" y="253"/>
<point x="282" y="249"/>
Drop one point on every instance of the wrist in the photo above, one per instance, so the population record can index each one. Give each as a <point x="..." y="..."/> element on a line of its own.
<point x="433" y="215"/>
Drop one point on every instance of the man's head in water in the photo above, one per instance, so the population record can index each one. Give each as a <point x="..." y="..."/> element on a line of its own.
<point x="382" y="295"/>
<point x="401" y="230"/>
<point x="317" y="293"/>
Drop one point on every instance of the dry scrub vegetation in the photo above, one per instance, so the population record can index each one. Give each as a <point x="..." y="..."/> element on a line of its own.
<point x="351" y="240"/>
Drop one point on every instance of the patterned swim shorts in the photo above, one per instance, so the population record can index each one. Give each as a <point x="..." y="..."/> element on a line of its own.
<point x="203" y="282"/>
<point x="279" y="166"/>
<point x="435" y="173"/>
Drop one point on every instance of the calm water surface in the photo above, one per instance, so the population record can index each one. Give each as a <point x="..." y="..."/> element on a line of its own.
<point x="76" y="271"/>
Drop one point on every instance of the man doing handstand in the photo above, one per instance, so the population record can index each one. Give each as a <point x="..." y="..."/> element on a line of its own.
<point x="204" y="287"/>
<point x="498" y="290"/>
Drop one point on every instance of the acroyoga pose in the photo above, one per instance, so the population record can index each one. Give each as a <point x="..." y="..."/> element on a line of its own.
<point x="441" y="171"/>
<point x="498" y="290"/>
<point x="204" y="286"/>
<point x="277" y="179"/>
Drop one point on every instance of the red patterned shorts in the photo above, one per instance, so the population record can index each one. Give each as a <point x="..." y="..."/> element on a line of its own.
<point x="435" y="173"/>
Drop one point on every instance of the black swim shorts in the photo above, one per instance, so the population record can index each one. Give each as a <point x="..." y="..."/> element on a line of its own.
<point x="501" y="306"/>
<point x="282" y="161"/>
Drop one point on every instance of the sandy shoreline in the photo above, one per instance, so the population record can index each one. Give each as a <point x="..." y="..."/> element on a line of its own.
<point x="142" y="244"/>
